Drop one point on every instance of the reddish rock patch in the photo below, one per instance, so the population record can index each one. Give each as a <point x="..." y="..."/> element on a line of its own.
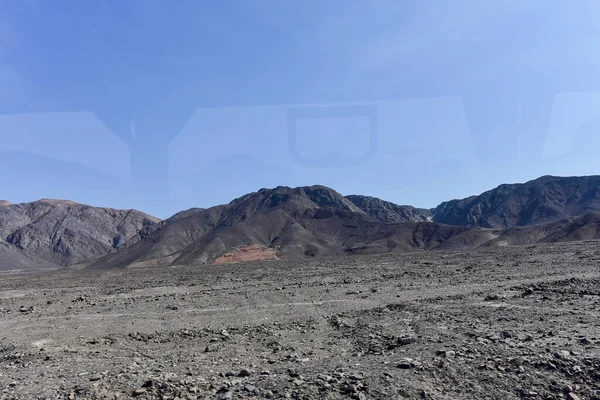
<point x="247" y="253"/>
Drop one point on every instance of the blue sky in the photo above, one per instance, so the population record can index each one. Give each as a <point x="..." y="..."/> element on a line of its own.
<point x="162" y="106"/>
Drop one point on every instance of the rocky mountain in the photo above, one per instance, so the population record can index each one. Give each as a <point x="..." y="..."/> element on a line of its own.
<point x="60" y="232"/>
<point x="316" y="221"/>
<point x="267" y="217"/>
<point x="386" y="211"/>
<point x="311" y="221"/>
<point x="539" y="201"/>
<point x="586" y="227"/>
<point x="293" y="222"/>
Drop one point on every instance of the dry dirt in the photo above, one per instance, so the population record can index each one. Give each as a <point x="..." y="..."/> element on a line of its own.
<point x="507" y="323"/>
<point x="247" y="253"/>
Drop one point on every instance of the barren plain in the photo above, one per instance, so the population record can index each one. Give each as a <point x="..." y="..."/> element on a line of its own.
<point x="518" y="322"/>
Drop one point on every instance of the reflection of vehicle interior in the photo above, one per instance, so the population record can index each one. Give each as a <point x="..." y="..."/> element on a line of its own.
<point x="409" y="134"/>
<point x="74" y="139"/>
<point x="574" y="125"/>
<point x="505" y="112"/>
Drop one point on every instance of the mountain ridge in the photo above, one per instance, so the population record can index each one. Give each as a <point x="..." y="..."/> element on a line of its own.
<point x="545" y="199"/>
<point x="306" y="221"/>
<point x="63" y="232"/>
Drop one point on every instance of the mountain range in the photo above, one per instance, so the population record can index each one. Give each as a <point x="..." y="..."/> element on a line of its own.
<point x="312" y="221"/>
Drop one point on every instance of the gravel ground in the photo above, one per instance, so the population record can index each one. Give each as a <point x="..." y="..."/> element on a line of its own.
<point x="508" y="323"/>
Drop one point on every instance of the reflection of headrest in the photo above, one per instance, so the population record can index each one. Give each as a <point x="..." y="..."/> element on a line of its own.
<point x="430" y="127"/>
<point x="587" y="136"/>
<point x="573" y="115"/>
<point x="73" y="137"/>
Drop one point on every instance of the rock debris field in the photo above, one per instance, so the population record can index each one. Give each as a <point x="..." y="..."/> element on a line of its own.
<point x="508" y="323"/>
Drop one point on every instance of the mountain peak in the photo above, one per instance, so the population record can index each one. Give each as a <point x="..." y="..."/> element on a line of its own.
<point x="386" y="211"/>
<point x="542" y="200"/>
<point x="314" y="196"/>
<point x="63" y="232"/>
<point x="57" y="202"/>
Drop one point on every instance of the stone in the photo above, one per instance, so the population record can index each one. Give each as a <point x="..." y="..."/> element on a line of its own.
<point x="446" y="353"/>
<point x="226" y="396"/>
<point x="148" y="384"/>
<point x="562" y="354"/>
<point x="139" y="392"/>
<point x="244" y="373"/>
<point x="527" y="292"/>
<point x="407" y="339"/>
<point x="572" y="396"/>
<point x="356" y="377"/>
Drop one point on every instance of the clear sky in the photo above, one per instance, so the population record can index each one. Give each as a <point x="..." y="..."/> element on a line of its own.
<point x="167" y="105"/>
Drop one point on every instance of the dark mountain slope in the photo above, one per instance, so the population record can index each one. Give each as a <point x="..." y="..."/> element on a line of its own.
<point x="586" y="227"/>
<point x="165" y="241"/>
<point x="299" y="222"/>
<point x="539" y="201"/>
<point x="202" y="235"/>
<point x="385" y="211"/>
<point x="312" y="221"/>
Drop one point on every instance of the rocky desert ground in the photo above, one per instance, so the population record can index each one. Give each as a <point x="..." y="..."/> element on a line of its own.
<point x="516" y="322"/>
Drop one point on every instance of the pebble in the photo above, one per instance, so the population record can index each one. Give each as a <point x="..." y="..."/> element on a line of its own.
<point x="446" y="353"/>
<point x="356" y="377"/>
<point x="404" y="340"/>
<point x="226" y="396"/>
<point x="139" y="392"/>
<point x="406" y="363"/>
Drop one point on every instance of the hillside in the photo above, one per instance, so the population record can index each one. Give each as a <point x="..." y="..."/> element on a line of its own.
<point x="386" y="211"/>
<point x="312" y="221"/>
<point x="546" y="199"/>
<point x="61" y="232"/>
<point x="295" y="223"/>
<point x="586" y="227"/>
<point x="315" y="221"/>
